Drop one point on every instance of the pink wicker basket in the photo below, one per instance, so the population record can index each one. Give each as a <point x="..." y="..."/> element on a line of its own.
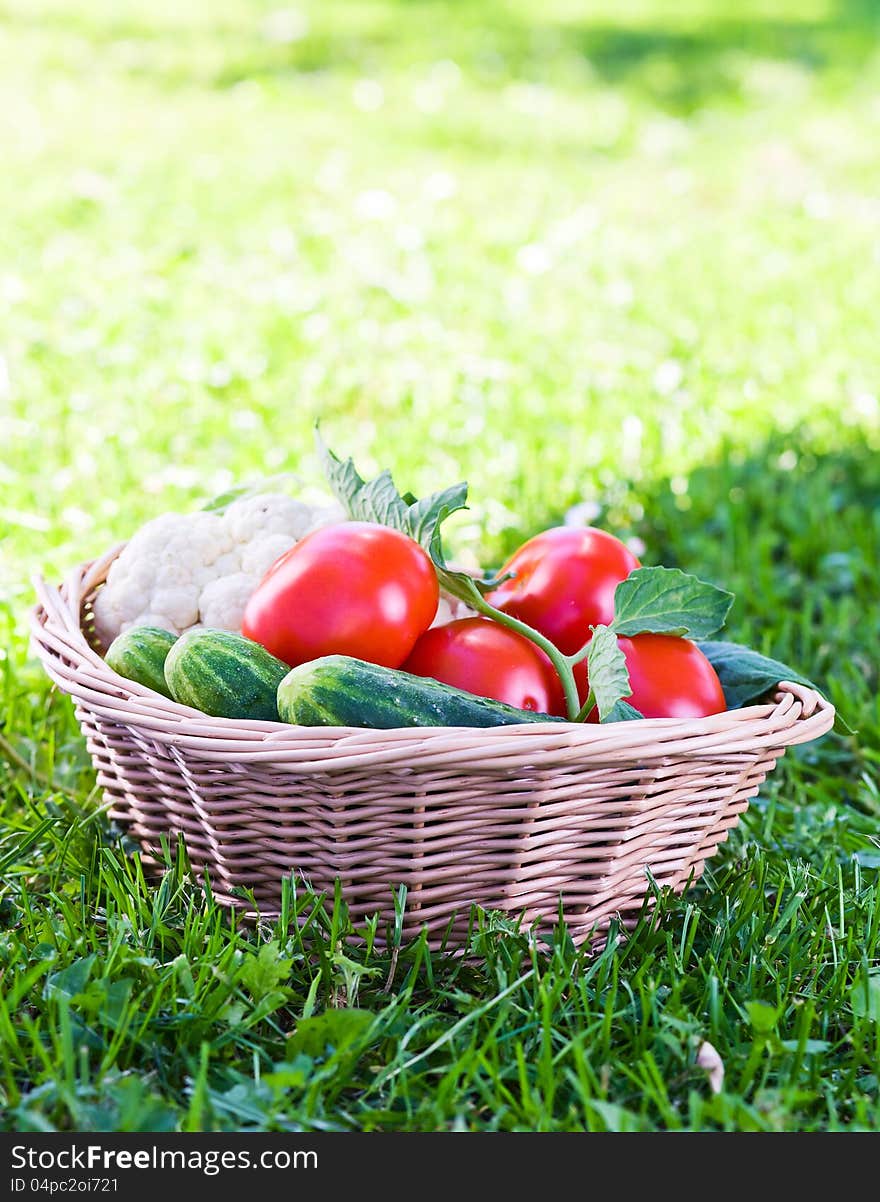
<point x="517" y="819"/>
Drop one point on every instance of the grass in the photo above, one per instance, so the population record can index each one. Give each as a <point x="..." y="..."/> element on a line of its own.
<point x="624" y="258"/>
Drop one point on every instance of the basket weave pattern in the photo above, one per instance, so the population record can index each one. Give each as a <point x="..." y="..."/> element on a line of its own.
<point x="513" y="818"/>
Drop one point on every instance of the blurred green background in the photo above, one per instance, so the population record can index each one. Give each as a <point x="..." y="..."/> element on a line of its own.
<point x="625" y="254"/>
<point x="558" y="249"/>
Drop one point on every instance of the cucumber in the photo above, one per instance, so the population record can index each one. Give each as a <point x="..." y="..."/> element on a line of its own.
<point x="340" y="691"/>
<point x="139" y="654"/>
<point x="225" y="675"/>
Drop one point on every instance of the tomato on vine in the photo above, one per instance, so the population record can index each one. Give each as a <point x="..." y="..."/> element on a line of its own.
<point x="482" y="657"/>
<point x="564" y="583"/>
<point x="669" y="677"/>
<point x="356" y="589"/>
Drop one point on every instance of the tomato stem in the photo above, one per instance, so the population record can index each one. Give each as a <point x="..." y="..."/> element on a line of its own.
<point x="581" y="653"/>
<point x="587" y="708"/>
<point x="560" y="662"/>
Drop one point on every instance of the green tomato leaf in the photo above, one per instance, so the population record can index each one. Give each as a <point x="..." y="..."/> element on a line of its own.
<point x="668" y="601"/>
<point x="622" y="711"/>
<point x="425" y="517"/>
<point x="746" y="675"/>
<point x="606" y="669"/>
<point x="364" y="501"/>
<point x="379" y="501"/>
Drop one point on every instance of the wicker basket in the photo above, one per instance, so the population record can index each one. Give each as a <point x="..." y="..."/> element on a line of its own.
<point x="518" y="819"/>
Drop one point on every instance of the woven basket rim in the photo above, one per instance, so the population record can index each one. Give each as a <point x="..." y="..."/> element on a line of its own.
<point x="797" y="714"/>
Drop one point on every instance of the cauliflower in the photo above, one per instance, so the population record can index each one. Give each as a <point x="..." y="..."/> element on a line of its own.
<point x="199" y="569"/>
<point x="223" y="600"/>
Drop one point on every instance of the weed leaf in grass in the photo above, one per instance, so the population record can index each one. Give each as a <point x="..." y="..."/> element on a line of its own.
<point x="762" y="1016"/>
<point x="864" y="996"/>
<point x="746" y="675"/>
<point x="264" y="972"/>
<point x="669" y="601"/>
<point x="70" y="982"/>
<point x="334" y="1030"/>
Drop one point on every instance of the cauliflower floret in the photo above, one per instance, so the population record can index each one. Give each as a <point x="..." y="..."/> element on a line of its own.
<point x="199" y="544"/>
<point x="258" y="556"/>
<point x="267" y="513"/>
<point x="179" y="603"/>
<point x="325" y="515"/>
<point x="108" y="620"/>
<point x="150" y="619"/>
<point x="226" y="565"/>
<point x="223" y="601"/>
<point x="180" y="570"/>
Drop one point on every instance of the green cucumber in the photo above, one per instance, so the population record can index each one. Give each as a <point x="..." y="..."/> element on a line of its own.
<point x="139" y="654"/>
<point x="340" y="691"/>
<point x="225" y="675"/>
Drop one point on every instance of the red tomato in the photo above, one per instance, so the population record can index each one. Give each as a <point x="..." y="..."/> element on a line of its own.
<point x="482" y="657"/>
<point x="353" y="589"/>
<point x="564" y="584"/>
<point x="669" y="677"/>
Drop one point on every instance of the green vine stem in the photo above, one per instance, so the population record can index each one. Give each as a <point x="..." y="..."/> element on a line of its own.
<point x="562" y="663"/>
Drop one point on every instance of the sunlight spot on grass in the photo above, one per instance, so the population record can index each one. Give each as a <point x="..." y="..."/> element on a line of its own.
<point x="534" y="259"/>
<point x="440" y="185"/>
<point x="282" y="242"/>
<point x="428" y="98"/>
<point x="530" y="99"/>
<point x="368" y="95"/>
<point x="285" y="26"/>
<point x="375" y="205"/>
<point x="219" y="375"/>
<point x="818" y="205"/>
<point x="90" y="185"/>
<point x="620" y="293"/>
<point x="668" y="376"/>
<point x="13" y="289"/>
<point x="315" y="326"/>
<point x="77" y="518"/>
<point x="866" y="405"/>
<point x="27" y="521"/>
